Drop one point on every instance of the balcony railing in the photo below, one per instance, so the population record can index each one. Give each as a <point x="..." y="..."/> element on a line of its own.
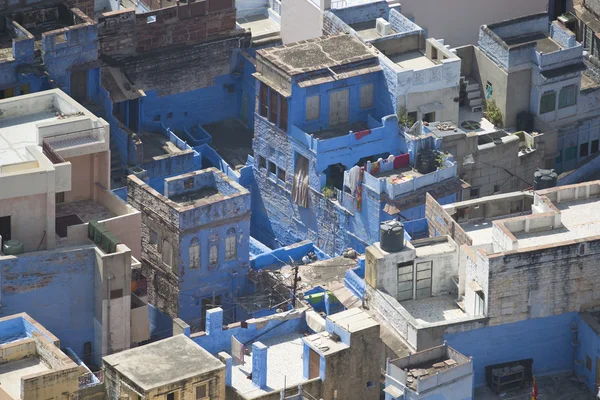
<point x="275" y="5"/>
<point x="84" y="137"/>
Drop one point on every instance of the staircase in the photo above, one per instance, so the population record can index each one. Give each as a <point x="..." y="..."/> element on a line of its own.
<point x="473" y="91"/>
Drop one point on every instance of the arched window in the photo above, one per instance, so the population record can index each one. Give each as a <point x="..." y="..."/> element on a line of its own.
<point x="213" y="253"/>
<point x="194" y="253"/>
<point x="230" y="244"/>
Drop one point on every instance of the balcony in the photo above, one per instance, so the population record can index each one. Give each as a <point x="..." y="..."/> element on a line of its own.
<point x="400" y="181"/>
<point x="348" y="135"/>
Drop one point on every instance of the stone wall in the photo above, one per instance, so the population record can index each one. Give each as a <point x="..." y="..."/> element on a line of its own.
<point x="441" y="223"/>
<point x="544" y="281"/>
<point x="157" y="216"/>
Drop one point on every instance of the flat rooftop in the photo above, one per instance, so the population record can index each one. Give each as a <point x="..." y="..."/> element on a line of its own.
<point x="428" y="368"/>
<point x="474" y="121"/>
<point x="399" y="175"/>
<point x="339" y="130"/>
<point x="317" y="54"/>
<point x="284" y="366"/>
<point x="164" y="362"/>
<point x="325" y="273"/>
<point x="232" y="140"/>
<point x="157" y="145"/>
<point x="260" y="25"/>
<point x="431" y="310"/>
<point x="368" y="30"/>
<point x="12" y="372"/>
<point x="412" y="60"/>
<point x="22" y="115"/>
<point x="480" y="229"/>
<point x="544" y="44"/>
<point x="209" y="194"/>
<point x="580" y="219"/>
<point x="353" y="320"/>
<point x="555" y="387"/>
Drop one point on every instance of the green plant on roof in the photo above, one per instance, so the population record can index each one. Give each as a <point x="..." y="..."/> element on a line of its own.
<point x="492" y="112"/>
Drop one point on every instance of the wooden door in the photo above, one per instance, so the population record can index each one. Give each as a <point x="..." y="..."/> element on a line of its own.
<point x="339" y="102"/>
<point x="314" y="365"/>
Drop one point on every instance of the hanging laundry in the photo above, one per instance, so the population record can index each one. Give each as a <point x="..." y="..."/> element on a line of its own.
<point x="401" y="161"/>
<point x="353" y="178"/>
<point x="237" y="350"/>
<point x="359" y="190"/>
<point x="361" y="134"/>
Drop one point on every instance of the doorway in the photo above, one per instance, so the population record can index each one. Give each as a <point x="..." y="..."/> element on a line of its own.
<point x="4" y="229"/>
<point x="79" y="85"/>
<point x="314" y="364"/>
<point x="424" y="279"/>
<point x="405" y="281"/>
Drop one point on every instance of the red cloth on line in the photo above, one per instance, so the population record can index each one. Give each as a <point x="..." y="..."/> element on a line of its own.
<point x="361" y="134"/>
<point x="401" y="161"/>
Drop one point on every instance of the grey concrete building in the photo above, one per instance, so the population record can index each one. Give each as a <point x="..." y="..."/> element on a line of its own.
<point x="175" y="369"/>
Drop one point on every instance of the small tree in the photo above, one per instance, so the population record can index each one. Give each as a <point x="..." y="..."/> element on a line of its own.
<point x="404" y="119"/>
<point x="492" y="112"/>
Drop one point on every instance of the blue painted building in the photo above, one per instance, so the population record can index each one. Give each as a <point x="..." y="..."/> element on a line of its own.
<point x="324" y="111"/>
<point x="60" y="53"/>
<point x="195" y="243"/>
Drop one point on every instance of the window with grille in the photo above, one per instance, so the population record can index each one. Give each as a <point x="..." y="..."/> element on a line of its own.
<point x="567" y="96"/>
<point x="231" y="244"/>
<point x="194" y="253"/>
<point x="214" y="255"/>
<point x="273" y="106"/>
<point x="583" y="150"/>
<point x="594" y="148"/>
<point x="548" y="102"/>
<point x="264" y="100"/>
<point x="587" y="40"/>
<point x="570" y="153"/>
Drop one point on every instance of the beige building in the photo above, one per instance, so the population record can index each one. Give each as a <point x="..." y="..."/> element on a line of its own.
<point x="171" y="369"/>
<point x="59" y="222"/>
<point x="32" y="366"/>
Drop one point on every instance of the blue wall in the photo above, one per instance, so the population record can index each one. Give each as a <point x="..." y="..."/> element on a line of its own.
<point x="546" y="340"/>
<point x="216" y="339"/>
<point x="56" y="289"/>
<point x="161" y="325"/>
<point x="589" y="347"/>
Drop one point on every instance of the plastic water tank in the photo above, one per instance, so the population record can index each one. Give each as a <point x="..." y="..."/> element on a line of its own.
<point x="544" y="179"/>
<point x="391" y="236"/>
<point x="426" y="161"/>
<point x="12" y="247"/>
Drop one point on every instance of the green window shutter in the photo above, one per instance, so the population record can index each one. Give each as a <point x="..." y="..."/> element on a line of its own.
<point x="548" y="102"/>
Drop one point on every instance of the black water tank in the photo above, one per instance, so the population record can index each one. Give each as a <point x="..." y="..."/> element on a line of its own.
<point x="426" y="161"/>
<point x="391" y="236"/>
<point x="544" y="179"/>
<point x="525" y="121"/>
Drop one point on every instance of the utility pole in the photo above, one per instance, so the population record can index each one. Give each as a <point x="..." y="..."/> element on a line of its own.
<point x="296" y="279"/>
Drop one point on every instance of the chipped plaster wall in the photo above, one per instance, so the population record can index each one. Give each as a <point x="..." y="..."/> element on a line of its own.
<point x="56" y="289"/>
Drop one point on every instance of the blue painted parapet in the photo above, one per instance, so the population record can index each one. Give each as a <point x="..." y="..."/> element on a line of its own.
<point x="259" y="364"/>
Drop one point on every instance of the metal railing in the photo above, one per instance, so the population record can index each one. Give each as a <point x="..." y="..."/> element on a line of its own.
<point x="275" y="5"/>
<point x="79" y="138"/>
<point x="90" y="379"/>
<point x="49" y="152"/>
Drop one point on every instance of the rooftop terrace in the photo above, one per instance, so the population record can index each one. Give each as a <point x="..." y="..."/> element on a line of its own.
<point x="317" y="54"/>
<point x="232" y="140"/>
<point x="412" y="60"/>
<point x="51" y="115"/>
<point x="284" y="366"/>
<point x="146" y="365"/>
